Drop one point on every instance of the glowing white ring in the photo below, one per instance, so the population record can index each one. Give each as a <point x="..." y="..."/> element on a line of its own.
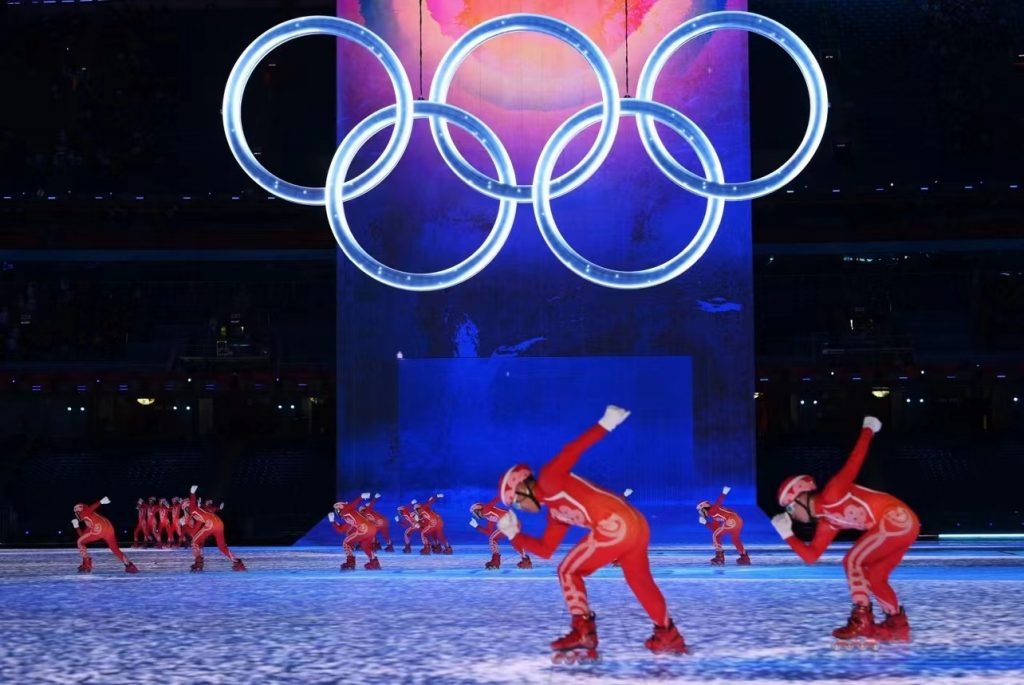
<point x="543" y="188"/>
<point x="788" y="41"/>
<point x="613" y="278"/>
<point x="336" y="197"/>
<point x="231" y="110"/>
<point x="537" y="23"/>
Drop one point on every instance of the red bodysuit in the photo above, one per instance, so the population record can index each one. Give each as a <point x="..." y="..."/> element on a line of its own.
<point x="490" y="512"/>
<point x="93" y="527"/>
<point x="203" y="524"/>
<point x="151" y="522"/>
<point x="164" y="529"/>
<point x="616" y="531"/>
<point x="724" y="521"/>
<point x="140" y="534"/>
<point x="889" y="526"/>
<point x="383" y="529"/>
<point x="176" y="520"/>
<point x="432" y="528"/>
<point x="409" y="521"/>
<point x="360" y="531"/>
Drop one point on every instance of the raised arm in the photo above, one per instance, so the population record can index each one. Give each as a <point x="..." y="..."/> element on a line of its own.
<point x="713" y="509"/>
<point x="553" y="475"/>
<point x="843" y="480"/>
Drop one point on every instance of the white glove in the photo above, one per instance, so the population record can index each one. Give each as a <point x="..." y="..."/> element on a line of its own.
<point x="613" y="416"/>
<point x="509" y="525"/>
<point x="222" y="506"/>
<point x="74" y="523"/>
<point x="377" y="496"/>
<point x="330" y="517"/>
<point x="440" y="495"/>
<point x="702" y="520"/>
<point x="473" y="523"/>
<point x="413" y="502"/>
<point x="783" y="524"/>
<point x="396" y="519"/>
<point x="627" y="492"/>
<point x="104" y="500"/>
<point x="365" y="495"/>
<point x="140" y="501"/>
<point x="725" y="490"/>
<point x="874" y="424"/>
<point x="181" y="521"/>
<point x="193" y="489"/>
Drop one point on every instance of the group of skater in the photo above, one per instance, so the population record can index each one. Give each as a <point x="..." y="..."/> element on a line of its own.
<point x="196" y="520"/>
<point x="367" y="529"/>
<point x="617" y="534"/>
<point x="159" y="522"/>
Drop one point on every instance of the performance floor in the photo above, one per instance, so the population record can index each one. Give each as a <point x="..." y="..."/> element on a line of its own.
<point x="294" y="618"/>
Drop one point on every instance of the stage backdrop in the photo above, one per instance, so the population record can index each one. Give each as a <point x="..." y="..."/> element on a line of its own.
<point x="442" y="391"/>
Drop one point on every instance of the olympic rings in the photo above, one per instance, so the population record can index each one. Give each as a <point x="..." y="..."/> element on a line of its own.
<point x="714" y="187"/>
<point x="231" y="110"/>
<point x="404" y="280"/>
<point x="628" y="279"/>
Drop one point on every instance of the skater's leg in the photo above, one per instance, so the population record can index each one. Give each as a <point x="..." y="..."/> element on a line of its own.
<point x="716" y="539"/>
<point x="84" y="540"/>
<point x="218" y="536"/>
<point x="366" y="544"/>
<point x="139" y="534"/>
<point x="893" y="534"/>
<point x="589" y="554"/>
<point x="111" y="541"/>
<point x="899" y="531"/>
<point x="636" y="568"/>
<point x="736" y="542"/>
<point x="198" y="540"/>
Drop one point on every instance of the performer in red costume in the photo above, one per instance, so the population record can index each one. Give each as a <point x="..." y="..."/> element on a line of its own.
<point x="410" y="522"/>
<point x="164" y="529"/>
<point x="432" y="527"/>
<point x="615" y="531"/>
<point x="140" y="535"/>
<point x="203" y="524"/>
<point x="151" y="522"/>
<point x="889" y="525"/>
<point x="176" y="521"/>
<point x="381" y="521"/>
<point x="96" y="527"/>
<point x="722" y="521"/>
<point x="360" y="531"/>
<point x="491" y="513"/>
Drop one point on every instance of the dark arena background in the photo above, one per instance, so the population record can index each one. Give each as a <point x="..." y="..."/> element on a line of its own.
<point x="166" y="322"/>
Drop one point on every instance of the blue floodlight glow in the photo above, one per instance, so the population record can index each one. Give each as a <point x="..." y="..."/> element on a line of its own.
<point x="405" y="280"/>
<point x="981" y="536"/>
<point x="613" y="278"/>
<point x="784" y="38"/>
<point x="548" y="26"/>
<point x="231" y="110"/>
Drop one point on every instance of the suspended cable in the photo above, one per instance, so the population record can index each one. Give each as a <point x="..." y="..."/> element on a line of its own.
<point x="421" y="49"/>
<point x="625" y="5"/>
